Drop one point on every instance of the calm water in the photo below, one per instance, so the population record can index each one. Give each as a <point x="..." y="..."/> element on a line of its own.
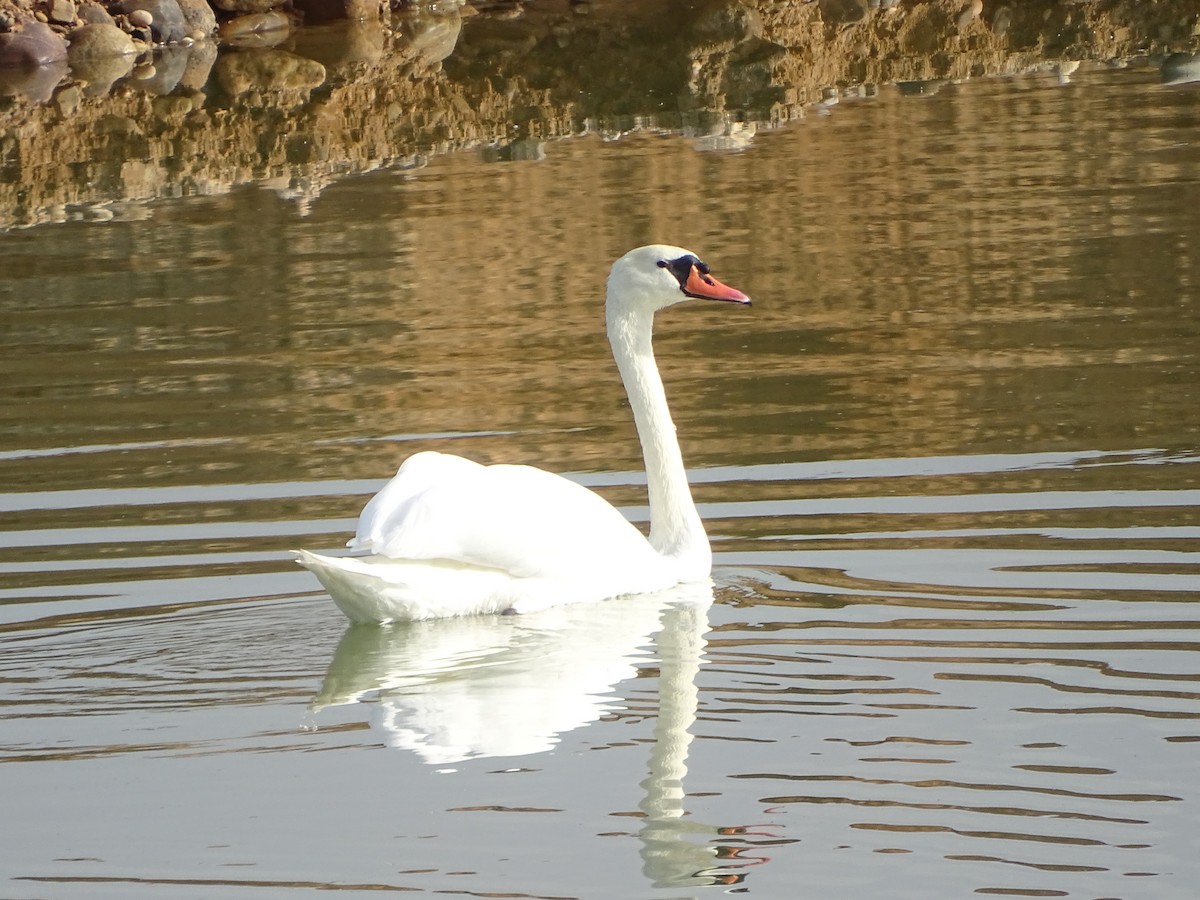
<point x="950" y="463"/>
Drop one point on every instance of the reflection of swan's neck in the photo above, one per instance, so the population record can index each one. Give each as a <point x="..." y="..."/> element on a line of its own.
<point x="675" y="527"/>
<point x="669" y="858"/>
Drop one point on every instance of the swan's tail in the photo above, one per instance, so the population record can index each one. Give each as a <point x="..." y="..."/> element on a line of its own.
<point x="378" y="589"/>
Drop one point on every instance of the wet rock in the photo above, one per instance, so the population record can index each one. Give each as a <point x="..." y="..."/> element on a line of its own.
<point x="269" y="29"/>
<point x="34" y="45"/>
<point x="246" y="6"/>
<point x="200" y="18"/>
<point x="267" y="70"/>
<point x="95" y="14"/>
<point x="93" y="41"/>
<point x="842" y="12"/>
<point x="167" y="22"/>
<point x="61" y="12"/>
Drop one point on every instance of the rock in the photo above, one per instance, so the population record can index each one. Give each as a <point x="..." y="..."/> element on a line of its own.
<point x="168" y="24"/>
<point x="267" y="29"/>
<point x="33" y="46"/>
<point x="62" y="12"/>
<point x="142" y="18"/>
<point x="201" y="19"/>
<point x="246" y="6"/>
<point x="92" y="41"/>
<point x="842" y="12"/>
<point x="95" y="14"/>
<point x="267" y="70"/>
<point x="100" y="55"/>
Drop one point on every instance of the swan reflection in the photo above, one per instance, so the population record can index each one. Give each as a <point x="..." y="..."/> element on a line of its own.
<point x="454" y="689"/>
<point x="483" y="686"/>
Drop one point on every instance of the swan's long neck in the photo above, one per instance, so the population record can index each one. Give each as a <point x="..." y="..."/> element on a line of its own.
<point x="676" y="531"/>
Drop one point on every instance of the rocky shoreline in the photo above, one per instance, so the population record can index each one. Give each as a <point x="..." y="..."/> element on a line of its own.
<point x="105" y="107"/>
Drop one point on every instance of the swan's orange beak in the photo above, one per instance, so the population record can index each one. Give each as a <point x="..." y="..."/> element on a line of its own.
<point x="705" y="287"/>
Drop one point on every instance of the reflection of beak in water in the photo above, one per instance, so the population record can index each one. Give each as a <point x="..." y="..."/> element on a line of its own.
<point x="454" y="689"/>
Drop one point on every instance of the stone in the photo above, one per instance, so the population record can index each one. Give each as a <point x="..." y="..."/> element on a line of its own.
<point x="93" y="41"/>
<point x="94" y="14"/>
<point x="142" y="18"/>
<point x="245" y="6"/>
<point x="62" y="12"/>
<point x="201" y="19"/>
<point x="33" y="46"/>
<point x="168" y="24"/>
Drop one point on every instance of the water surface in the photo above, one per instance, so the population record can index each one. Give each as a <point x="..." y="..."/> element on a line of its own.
<point x="950" y="464"/>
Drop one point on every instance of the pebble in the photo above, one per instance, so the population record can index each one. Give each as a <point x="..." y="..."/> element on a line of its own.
<point x="143" y="18"/>
<point x="62" y="12"/>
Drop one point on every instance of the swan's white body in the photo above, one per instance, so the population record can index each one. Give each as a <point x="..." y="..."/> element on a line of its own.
<point x="449" y="537"/>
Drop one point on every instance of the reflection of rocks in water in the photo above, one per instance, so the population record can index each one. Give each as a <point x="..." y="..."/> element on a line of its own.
<point x="432" y="79"/>
<point x="1181" y="68"/>
<point x="257" y="30"/>
<point x="165" y="74"/>
<point x="36" y="85"/>
<point x="267" y="70"/>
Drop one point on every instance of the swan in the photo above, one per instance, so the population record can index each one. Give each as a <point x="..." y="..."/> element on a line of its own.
<point x="450" y="537"/>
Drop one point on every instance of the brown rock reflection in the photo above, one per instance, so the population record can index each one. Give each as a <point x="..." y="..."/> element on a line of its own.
<point x="315" y="105"/>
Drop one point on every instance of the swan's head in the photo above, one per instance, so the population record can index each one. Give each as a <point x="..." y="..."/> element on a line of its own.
<point x="659" y="275"/>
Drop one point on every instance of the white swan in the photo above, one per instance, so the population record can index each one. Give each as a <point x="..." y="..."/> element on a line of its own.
<point x="449" y="537"/>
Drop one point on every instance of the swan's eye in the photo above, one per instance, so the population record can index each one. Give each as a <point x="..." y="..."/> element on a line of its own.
<point x="682" y="268"/>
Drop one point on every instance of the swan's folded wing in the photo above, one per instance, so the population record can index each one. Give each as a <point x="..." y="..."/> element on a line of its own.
<point x="517" y="519"/>
<point x="420" y="472"/>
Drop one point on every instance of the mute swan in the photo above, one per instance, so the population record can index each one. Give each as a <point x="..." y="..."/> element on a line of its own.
<point x="450" y="537"/>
